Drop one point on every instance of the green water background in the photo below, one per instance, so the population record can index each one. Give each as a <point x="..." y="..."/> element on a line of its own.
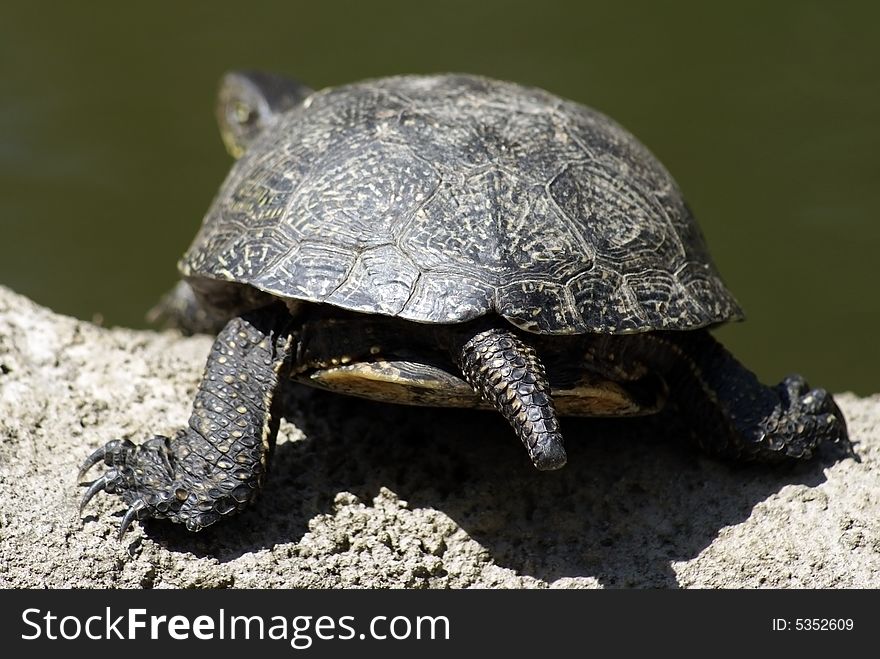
<point x="767" y="114"/>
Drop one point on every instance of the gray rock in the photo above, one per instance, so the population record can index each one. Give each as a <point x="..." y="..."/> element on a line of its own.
<point x="370" y="495"/>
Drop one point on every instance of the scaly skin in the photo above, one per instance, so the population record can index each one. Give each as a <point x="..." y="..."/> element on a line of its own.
<point x="626" y="256"/>
<point x="732" y="414"/>
<point x="216" y="466"/>
<point x="507" y="373"/>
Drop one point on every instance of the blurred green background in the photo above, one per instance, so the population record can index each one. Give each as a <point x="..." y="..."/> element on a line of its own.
<point x="767" y="114"/>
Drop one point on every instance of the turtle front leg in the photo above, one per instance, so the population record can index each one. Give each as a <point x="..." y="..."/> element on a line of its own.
<point x="214" y="467"/>
<point x="736" y="416"/>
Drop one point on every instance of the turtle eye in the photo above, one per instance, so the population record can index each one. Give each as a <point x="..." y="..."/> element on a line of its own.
<point x="243" y="114"/>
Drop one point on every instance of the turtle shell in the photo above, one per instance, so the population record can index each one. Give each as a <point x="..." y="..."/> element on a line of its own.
<point x="440" y="199"/>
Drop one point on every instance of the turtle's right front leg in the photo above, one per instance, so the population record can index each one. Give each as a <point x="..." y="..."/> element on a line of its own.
<point x="214" y="467"/>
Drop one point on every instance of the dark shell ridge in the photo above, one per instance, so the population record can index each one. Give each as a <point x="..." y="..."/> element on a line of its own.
<point x="443" y="198"/>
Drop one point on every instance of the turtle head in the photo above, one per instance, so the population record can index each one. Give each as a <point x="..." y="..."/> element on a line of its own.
<point x="249" y="101"/>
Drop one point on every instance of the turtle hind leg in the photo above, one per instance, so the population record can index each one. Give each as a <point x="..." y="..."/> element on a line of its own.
<point x="216" y="465"/>
<point x="734" y="415"/>
<point x="507" y="373"/>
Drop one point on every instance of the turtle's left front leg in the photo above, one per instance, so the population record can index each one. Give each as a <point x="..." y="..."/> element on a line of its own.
<point x="214" y="467"/>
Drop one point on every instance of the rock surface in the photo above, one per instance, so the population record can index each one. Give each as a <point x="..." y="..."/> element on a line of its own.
<point x="369" y="495"/>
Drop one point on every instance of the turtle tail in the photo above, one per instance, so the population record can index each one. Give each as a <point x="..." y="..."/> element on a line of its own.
<point x="507" y="373"/>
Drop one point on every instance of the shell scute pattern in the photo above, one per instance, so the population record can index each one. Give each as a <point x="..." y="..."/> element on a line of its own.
<point x="443" y="198"/>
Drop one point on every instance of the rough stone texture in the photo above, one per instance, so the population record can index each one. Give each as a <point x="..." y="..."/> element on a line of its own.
<point x="370" y="495"/>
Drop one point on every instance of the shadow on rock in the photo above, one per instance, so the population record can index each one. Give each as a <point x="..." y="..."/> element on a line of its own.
<point x="629" y="503"/>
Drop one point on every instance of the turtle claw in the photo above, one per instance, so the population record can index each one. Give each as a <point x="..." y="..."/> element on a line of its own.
<point x="90" y="462"/>
<point x="131" y="514"/>
<point x="141" y="475"/>
<point x="113" y="453"/>
<point x="95" y="486"/>
<point x="808" y="418"/>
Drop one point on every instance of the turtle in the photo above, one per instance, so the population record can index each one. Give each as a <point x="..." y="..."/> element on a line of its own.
<point x="445" y="240"/>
